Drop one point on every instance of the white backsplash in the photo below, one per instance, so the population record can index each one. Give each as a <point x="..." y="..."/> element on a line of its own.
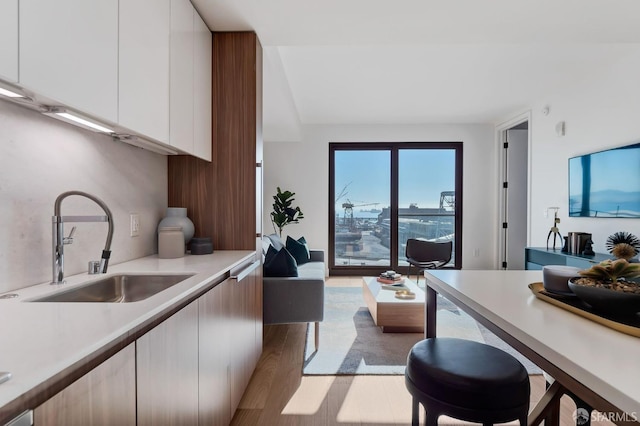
<point x="39" y="159"/>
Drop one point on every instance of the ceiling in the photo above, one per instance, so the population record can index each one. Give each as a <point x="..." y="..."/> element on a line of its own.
<point x="422" y="61"/>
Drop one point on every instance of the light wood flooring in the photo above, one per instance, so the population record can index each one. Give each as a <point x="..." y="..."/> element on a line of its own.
<point x="279" y="394"/>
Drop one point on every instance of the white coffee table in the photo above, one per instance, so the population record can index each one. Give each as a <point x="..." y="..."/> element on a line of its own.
<point x="392" y="314"/>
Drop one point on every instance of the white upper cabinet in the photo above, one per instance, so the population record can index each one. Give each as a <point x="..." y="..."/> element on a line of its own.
<point x="142" y="66"/>
<point x="181" y="93"/>
<point x="202" y="89"/>
<point x="145" y="27"/>
<point x="69" y="53"/>
<point x="9" y="40"/>
<point x="190" y="100"/>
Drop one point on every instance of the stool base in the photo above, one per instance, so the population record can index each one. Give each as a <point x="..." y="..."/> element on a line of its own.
<point x="435" y="408"/>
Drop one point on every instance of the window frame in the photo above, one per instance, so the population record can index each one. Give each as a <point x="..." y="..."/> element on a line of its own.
<point x="394" y="148"/>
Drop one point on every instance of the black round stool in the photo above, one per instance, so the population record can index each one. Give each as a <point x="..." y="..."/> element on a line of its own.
<point x="466" y="380"/>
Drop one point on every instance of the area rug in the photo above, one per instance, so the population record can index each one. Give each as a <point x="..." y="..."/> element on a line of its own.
<point x="351" y="344"/>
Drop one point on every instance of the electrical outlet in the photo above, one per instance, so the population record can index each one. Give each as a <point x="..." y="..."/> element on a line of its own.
<point x="476" y="252"/>
<point x="134" y="224"/>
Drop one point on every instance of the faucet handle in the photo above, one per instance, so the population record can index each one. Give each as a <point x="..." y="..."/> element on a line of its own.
<point x="69" y="239"/>
<point x="94" y="267"/>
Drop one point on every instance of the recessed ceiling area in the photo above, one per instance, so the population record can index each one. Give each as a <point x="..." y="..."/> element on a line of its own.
<point x="422" y="61"/>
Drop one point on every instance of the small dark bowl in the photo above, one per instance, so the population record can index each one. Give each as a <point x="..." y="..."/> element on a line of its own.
<point x="605" y="300"/>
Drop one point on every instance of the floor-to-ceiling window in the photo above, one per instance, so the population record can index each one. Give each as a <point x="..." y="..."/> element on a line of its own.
<point x="382" y="194"/>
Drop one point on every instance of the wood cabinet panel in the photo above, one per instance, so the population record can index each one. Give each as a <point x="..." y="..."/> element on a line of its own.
<point x="221" y="195"/>
<point x="257" y="312"/>
<point x="242" y="340"/>
<point x="69" y="53"/>
<point x="9" y="40"/>
<point x="167" y="371"/>
<point x="215" y="327"/>
<point x="224" y="197"/>
<point x="104" y="396"/>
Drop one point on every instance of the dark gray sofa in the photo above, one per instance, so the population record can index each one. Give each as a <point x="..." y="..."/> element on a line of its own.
<point x="295" y="299"/>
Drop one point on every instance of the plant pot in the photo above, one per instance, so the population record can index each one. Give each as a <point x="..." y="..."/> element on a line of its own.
<point x="606" y="300"/>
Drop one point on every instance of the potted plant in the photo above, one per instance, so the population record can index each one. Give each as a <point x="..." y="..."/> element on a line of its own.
<point x="608" y="286"/>
<point x="283" y="214"/>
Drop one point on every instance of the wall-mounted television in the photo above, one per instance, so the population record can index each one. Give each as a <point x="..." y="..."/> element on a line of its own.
<point x="606" y="183"/>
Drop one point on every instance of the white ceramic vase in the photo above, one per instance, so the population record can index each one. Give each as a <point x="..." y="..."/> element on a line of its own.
<point x="177" y="216"/>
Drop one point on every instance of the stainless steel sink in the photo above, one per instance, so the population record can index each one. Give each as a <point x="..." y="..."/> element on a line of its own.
<point x="122" y="288"/>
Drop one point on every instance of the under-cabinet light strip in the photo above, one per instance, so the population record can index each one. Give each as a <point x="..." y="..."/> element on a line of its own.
<point x="74" y="118"/>
<point x="9" y="94"/>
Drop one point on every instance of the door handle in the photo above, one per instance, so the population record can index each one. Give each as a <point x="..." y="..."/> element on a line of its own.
<point x="246" y="271"/>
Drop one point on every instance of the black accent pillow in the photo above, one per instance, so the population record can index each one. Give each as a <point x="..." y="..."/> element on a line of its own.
<point x="279" y="263"/>
<point x="298" y="249"/>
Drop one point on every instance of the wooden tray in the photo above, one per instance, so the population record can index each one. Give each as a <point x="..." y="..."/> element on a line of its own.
<point x="625" y="324"/>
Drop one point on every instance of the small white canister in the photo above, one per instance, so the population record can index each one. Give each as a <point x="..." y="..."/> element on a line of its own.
<point x="555" y="278"/>
<point x="170" y="242"/>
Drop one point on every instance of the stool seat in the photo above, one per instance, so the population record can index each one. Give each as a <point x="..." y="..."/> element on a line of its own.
<point x="468" y="380"/>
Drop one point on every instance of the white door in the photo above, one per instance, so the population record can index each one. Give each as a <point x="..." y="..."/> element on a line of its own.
<point x="515" y="205"/>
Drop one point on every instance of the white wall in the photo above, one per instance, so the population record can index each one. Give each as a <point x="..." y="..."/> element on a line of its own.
<point x="40" y="158"/>
<point x="303" y="167"/>
<point x="600" y="112"/>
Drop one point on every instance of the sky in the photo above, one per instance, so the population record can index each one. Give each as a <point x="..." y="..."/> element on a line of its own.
<point x="424" y="174"/>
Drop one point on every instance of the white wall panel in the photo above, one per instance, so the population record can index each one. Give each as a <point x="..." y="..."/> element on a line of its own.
<point x="303" y="167"/>
<point x="43" y="157"/>
<point x="601" y="111"/>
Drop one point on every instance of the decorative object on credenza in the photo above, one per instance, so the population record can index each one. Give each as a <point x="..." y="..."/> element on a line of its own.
<point x="565" y="247"/>
<point x="177" y="216"/>
<point x="554" y="229"/>
<point x="608" y="287"/>
<point x="283" y="214"/>
<point x="578" y="242"/>
<point x="588" y="248"/>
<point x="623" y="245"/>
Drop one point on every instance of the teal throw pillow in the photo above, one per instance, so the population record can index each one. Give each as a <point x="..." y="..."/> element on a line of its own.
<point x="279" y="263"/>
<point x="298" y="249"/>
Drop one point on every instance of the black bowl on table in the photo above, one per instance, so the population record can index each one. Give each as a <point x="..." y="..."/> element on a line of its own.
<point x="606" y="300"/>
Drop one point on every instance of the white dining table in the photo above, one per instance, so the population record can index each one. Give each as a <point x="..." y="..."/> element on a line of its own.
<point x="596" y="363"/>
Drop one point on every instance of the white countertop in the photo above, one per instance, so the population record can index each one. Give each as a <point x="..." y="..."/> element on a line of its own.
<point x="604" y="360"/>
<point x="39" y="340"/>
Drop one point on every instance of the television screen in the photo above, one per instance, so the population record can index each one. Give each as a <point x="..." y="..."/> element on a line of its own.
<point x="606" y="183"/>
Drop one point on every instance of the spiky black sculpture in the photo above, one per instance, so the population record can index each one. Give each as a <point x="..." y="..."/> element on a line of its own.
<point x="623" y="245"/>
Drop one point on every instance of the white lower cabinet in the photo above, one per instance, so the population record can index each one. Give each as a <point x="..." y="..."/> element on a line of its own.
<point x="104" y="396"/>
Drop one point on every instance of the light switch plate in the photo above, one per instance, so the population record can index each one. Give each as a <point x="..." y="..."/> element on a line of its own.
<point x="134" y="224"/>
